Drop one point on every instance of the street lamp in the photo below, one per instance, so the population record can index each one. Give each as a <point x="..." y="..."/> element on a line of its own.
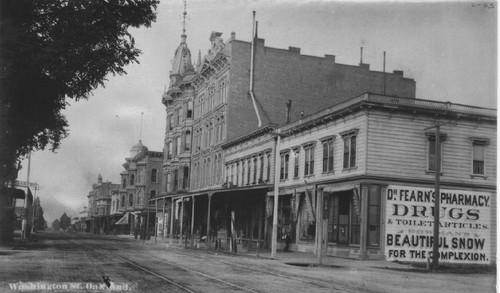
<point x="437" y="198"/>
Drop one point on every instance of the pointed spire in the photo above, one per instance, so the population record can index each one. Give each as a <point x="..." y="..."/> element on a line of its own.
<point x="184" y="13"/>
<point x="198" y="62"/>
<point x="140" y="133"/>
<point x="182" y="59"/>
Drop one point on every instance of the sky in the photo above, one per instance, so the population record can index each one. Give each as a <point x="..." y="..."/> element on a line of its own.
<point x="449" y="48"/>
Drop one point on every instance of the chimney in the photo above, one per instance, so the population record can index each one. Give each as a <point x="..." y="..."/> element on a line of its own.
<point x="233" y="36"/>
<point x="288" y="108"/>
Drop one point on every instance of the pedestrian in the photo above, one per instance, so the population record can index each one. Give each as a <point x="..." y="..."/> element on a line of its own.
<point x="288" y="240"/>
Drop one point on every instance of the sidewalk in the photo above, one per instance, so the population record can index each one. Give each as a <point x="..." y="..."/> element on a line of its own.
<point x="294" y="258"/>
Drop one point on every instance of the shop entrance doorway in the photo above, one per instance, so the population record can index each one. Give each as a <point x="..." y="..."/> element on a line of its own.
<point x="343" y="218"/>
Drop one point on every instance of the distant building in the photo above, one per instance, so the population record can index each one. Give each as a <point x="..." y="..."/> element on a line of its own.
<point x="100" y="205"/>
<point x="140" y="181"/>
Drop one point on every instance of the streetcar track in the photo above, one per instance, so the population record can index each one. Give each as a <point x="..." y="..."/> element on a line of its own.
<point x="170" y="281"/>
<point x="183" y="268"/>
<point x="173" y="251"/>
<point x="309" y="281"/>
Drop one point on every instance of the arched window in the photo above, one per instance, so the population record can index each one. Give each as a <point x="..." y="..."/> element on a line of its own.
<point x="132" y="178"/>
<point x="217" y="129"/>
<point x="130" y="200"/>
<point x="122" y="204"/>
<point x="179" y="115"/>
<point x="185" y="181"/>
<point x="222" y="127"/>
<point x="187" y="140"/>
<point x="154" y="176"/>
<point x="176" y="180"/>
<point x="210" y="134"/>
<point x="189" y="112"/>
<point x="124" y="183"/>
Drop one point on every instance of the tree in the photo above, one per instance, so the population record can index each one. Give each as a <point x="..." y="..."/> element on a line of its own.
<point x="65" y="221"/>
<point x="56" y="225"/>
<point x="39" y="220"/>
<point x="51" y="51"/>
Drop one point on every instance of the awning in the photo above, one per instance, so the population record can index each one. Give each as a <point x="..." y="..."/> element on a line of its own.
<point x="123" y="220"/>
<point x="290" y="190"/>
<point x="345" y="187"/>
<point x="330" y="188"/>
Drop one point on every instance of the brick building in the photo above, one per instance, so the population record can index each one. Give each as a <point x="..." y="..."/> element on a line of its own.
<point x="140" y="181"/>
<point x="99" y="208"/>
<point x="235" y="89"/>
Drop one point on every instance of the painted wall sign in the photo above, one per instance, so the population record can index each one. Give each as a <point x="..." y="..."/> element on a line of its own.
<point x="464" y="220"/>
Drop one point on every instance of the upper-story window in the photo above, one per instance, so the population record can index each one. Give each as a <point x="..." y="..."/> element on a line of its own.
<point x="217" y="129"/>
<point x="185" y="180"/>
<point x="179" y="115"/>
<point x="308" y="160"/>
<point x="152" y="193"/>
<point x="479" y="155"/>
<point x="171" y="121"/>
<point x="124" y="183"/>
<point x="222" y="127"/>
<point x="296" y="162"/>
<point x="187" y="140"/>
<point x="210" y="134"/>
<point x="261" y="169"/>
<point x="328" y="155"/>
<point x="169" y="150"/>
<point x="179" y="143"/>
<point x="122" y="203"/>
<point x="154" y="175"/>
<point x="175" y="180"/>
<point x="284" y="157"/>
<point x="223" y="90"/>
<point x="130" y="200"/>
<point x="189" y="112"/>
<point x="431" y="151"/>
<point x="349" y="138"/>
<point x="132" y="178"/>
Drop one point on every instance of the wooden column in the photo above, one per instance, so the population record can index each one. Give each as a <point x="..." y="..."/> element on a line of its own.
<point x="192" y="222"/>
<point x="172" y="220"/>
<point x="207" y="241"/>
<point x="164" y="220"/>
<point x="156" y="219"/>
<point x="233" y="232"/>
<point x="182" y="221"/>
<point x="363" y="222"/>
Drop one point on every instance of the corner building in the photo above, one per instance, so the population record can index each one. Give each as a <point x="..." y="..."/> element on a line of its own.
<point x="357" y="179"/>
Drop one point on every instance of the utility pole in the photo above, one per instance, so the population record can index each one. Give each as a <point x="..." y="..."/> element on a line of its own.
<point x="437" y="197"/>
<point x="25" y="210"/>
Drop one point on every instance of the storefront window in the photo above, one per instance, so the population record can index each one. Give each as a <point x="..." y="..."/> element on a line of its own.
<point x="307" y="221"/>
<point x="284" y="217"/>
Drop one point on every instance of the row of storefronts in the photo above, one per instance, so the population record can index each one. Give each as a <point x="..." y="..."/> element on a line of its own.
<point x="361" y="174"/>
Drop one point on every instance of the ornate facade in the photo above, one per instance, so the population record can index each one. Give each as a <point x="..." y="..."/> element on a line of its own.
<point x="140" y="181"/>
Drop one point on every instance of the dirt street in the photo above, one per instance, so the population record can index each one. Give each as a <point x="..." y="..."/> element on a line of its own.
<point x="70" y="262"/>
